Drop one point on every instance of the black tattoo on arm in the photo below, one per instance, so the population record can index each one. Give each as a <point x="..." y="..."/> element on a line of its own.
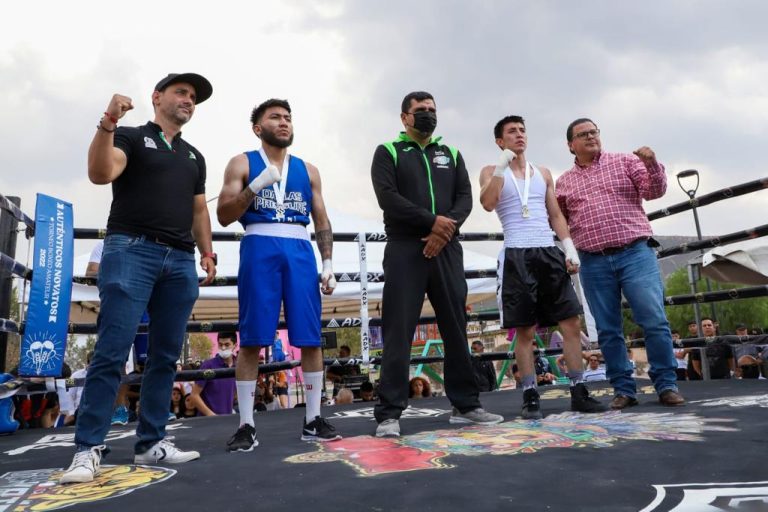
<point x="324" y="241"/>
<point x="244" y="199"/>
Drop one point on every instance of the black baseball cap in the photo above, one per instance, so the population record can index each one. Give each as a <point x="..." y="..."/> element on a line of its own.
<point x="741" y="326"/>
<point x="203" y="88"/>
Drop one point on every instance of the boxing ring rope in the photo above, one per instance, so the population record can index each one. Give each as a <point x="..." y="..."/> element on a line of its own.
<point x="8" y="264"/>
<point x="17" y="214"/>
<point x="712" y="197"/>
<point x="737" y="236"/>
<point x="747" y="292"/>
<point x="12" y="266"/>
<point x="378" y="277"/>
<point x="32" y="387"/>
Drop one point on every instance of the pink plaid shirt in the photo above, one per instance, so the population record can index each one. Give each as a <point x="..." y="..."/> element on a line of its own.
<point x="603" y="202"/>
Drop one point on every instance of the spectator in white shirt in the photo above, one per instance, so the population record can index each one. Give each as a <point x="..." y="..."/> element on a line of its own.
<point x="594" y="371"/>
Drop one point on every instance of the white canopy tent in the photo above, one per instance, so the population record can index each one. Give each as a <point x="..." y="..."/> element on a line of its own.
<point x="220" y="302"/>
<point x="743" y="262"/>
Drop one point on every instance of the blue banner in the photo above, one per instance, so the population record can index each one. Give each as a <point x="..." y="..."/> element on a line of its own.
<point x="45" y="333"/>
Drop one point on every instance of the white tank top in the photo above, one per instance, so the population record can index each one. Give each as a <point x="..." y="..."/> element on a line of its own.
<point x="520" y="232"/>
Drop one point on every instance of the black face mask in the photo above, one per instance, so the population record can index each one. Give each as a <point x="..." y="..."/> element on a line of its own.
<point x="751" y="371"/>
<point x="425" y="121"/>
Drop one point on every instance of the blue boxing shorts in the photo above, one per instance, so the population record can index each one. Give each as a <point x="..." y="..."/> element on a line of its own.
<point x="273" y="271"/>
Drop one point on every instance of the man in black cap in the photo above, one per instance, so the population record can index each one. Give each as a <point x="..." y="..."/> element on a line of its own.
<point x="745" y="348"/>
<point x="157" y="217"/>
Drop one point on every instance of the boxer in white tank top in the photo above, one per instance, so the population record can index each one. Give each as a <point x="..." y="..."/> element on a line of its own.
<point x="533" y="274"/>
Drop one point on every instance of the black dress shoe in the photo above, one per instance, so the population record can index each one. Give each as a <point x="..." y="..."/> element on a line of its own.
<point x="582" y="402"/>
<point x="623" y="401"/>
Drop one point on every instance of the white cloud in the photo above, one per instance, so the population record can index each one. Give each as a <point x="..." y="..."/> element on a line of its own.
<point x="686" y="79"/>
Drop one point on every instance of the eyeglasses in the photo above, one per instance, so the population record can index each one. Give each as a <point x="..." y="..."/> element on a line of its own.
<point x="587" y="134"/>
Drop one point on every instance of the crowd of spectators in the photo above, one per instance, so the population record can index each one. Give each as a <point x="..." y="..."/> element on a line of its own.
<point x="188" y="399"/>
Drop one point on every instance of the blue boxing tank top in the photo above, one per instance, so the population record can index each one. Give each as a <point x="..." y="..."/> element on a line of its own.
<point x="289" y="201"/>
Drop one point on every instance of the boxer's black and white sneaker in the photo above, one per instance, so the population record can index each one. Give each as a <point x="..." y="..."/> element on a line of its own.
<point x="244" y="439"/>
<point x="319" y="430"/>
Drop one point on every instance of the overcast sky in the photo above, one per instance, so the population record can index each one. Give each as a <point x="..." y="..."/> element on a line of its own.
<point x="686" y="78"/>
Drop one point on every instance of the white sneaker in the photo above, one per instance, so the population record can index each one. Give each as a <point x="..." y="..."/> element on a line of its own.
<point x="84" y="467"/>
<point x="165" y="451"/>
<point x="388" y="428"/>
<point x="477" y="416"/>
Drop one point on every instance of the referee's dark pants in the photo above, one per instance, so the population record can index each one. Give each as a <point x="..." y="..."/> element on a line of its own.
<point x="409" y="275"/>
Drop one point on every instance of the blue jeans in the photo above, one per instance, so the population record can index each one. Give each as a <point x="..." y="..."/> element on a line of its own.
<point x="635" y="273"/>
<point x="136" y="274"/>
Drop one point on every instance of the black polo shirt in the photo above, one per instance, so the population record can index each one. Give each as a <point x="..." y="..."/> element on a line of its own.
<point x="719" y="353"/>
<point x="154" y="196"/>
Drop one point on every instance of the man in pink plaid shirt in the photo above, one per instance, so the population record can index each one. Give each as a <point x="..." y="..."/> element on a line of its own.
<point x="601" y="196"/>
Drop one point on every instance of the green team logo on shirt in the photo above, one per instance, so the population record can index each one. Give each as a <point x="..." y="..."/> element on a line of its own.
<point x="192" y="156"/>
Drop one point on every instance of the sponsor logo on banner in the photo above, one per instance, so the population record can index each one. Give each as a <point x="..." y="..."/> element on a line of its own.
<point x="350" y="322"/>
<point x="427" y="450"/>
<point x="371" y="277"/>
<point x="344" y="278"/>
<point x="38" y="489"/>
<point x="45" y="334"/>
<point x="376" y="237"/>
<point x="711" y="496"/>
<point x="333" y="323"/>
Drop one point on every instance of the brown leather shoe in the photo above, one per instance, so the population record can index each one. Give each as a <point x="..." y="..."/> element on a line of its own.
<point x="622" y="401"/>
<point x="671" y="397"/>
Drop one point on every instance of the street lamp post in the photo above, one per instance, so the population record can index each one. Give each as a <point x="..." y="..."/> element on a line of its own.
<point x="694" y="275"/>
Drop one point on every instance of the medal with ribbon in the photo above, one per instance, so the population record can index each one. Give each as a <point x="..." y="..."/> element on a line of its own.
<point x="526" y="189"/>
<point x="279" y="188"/>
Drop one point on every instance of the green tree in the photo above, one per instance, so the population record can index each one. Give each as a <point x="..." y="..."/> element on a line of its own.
<point x="753" y="312"/>
<point x="349" y="336"/>
<point x="76" y="355"/>
<point x="200" y="347"/>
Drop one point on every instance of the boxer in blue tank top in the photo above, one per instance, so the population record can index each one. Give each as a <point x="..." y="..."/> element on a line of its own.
<point x="273" y="195"/>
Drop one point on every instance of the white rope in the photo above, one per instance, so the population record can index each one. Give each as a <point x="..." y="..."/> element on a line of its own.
<point x="365" y="341"/>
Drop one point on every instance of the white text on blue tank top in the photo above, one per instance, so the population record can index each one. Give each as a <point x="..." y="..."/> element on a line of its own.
<point x="275" y="199"/>
<point x="293" y="201"/>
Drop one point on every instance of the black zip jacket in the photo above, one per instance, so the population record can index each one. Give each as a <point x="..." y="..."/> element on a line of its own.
<point x="413" y="185"/>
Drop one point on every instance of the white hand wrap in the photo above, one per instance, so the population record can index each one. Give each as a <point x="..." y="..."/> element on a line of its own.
<point x="571" y="254"/>
<point x="504" y="161"/>
<point x="328" y="274"/>
<point x="267" y="177"/>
